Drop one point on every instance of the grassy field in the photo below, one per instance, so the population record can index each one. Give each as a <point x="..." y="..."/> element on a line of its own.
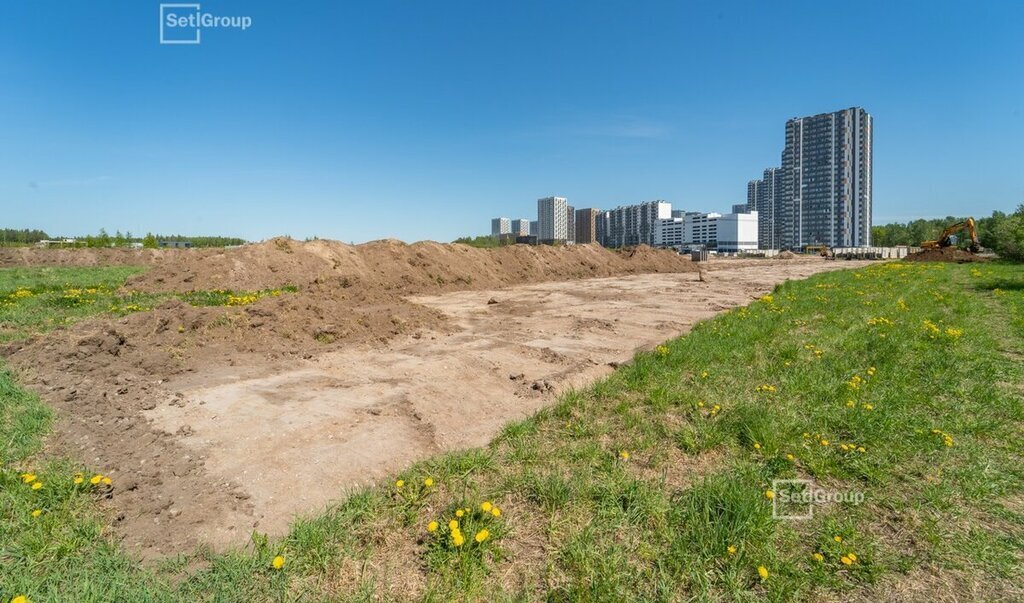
<point x="895" y="389"/>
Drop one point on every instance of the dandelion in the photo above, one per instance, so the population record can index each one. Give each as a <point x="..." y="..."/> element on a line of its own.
<point x="824" y="442"/>
<point x="107" y="481"/>
<point x="78" y="479"/>
<point x="624" y="455"/>
<point x="731" y="549"/>
<point x="763" y="572"/>
<point x="432" y="526"/>
<point x="429" y="482"/>
<point x="278" y="562"/>
<point x="496" y="512"/>
<point x="28" y="478"/>
<point x="20" y="599"/>
<point x="704" y="375"/>
<point x="486" y="506"/>
<point x="458" y="539"/>
<point x="757" y="446"/>
<point x="399" y="484"/>
<point x="837" y="538"/>
<point x="846" y="560"/>
<point x="481" y="536"/>
<point x="790" y="457"/>
<point x="37" y="513"/>
<point x="37" y="485"/>
<point x="453" y="525"/>
<point x="871" y="371"/>
<point x="861" y="449"/>
<point x="851" y="556"/>
<point x="459" y="513"/>
<point x="95" y="479"/>
<point x="869" y="407"/>
<point x="769" y="494"/>
<point x="818" y="557"/>
<point x="850" y="403"/>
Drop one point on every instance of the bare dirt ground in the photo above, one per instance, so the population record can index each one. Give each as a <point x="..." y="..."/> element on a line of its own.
<point x="217" y="421"/>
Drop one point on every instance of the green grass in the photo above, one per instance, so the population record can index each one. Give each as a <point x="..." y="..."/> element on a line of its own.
<point x="637" y="487"/>
<point x="38" y="300"/>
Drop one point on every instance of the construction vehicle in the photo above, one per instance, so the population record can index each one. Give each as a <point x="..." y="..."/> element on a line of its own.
<point x="822" y="250"/>
<point x="946" y="238"/>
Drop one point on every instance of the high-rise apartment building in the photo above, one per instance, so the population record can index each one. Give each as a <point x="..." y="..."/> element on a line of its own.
<point x="827" y="180"/>
<point x="586" y="225"/>
<point x="552" y="225"/>
<point x="822" y="194"/>
<point x="500" y="226"/>
<point x="521" y="228"/>
<point x="634" y="224"/>
<point x="570" y="224"/>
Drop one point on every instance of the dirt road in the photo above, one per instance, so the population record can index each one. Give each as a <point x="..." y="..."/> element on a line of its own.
<point x="295" y="438"/>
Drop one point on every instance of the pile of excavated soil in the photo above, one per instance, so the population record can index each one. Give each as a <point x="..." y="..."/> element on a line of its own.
<point x="944" y="254"/>
<point x="103" y="374"/>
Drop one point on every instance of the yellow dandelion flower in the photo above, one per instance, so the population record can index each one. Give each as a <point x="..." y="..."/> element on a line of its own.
<point x="400" y="483"/>
<point x="837" y="538"/>
<point x="757" y="446"/>
<point x="37" y="485"/>
<point x="818" y="557"/>
<point x="769" y="494"/>
<point x="428" y="482"/>
<point x="95" y="479"/>
<point x="432" y="526"/>
<point x="278" y="562"/>
<point x="731" y="549"/>
<point x="846" y="560"/>
<point x="20" y="599"/>
<point x="496" y="512"/>
<point x="458" y="539"/>
<point x="78" y="479"/>
<point x="107" y="480"/>
<point x="481" y="536"/>
<point x="790" y="457"/>
<point x="851" y="556"/>
<point x="28" y="478"/>
<point x="453" y="525"/>
<point x="824" y="442"/>
<point x="861" y="449"/>
<point x="763" y="572"/>
<point x="850" y="403"/>
<point x="459" y="513"/>
<point x="37" y="513"/>
<point x="624" y="455"/>
<point x="486" y="506"/>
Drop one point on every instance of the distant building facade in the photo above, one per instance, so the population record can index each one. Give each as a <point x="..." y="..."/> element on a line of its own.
<point x="500" y="226"/>
<point x="570" y="224"/>
<point x="586" y="226"/>
<point x="737" y="232"/>
<point x="634" y="224"/>
<point x="552" y="225"/>
<point x="521" y="227"/>
<point x="822" y="194"/>
<point x="534" y="228"/>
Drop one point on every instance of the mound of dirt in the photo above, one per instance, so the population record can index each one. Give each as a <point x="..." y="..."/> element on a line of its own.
<point x="944" y="254"/>
<point x="786" y="255"/>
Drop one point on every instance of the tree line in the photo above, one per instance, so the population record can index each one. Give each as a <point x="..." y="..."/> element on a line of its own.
<point x="1001" y="232"/>
<point x="10" y="236"/>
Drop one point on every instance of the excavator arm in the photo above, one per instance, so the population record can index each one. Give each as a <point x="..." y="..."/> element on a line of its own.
<point x="944" y="239"/>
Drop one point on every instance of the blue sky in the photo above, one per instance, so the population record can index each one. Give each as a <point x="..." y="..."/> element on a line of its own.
<point x="422" y="120"/>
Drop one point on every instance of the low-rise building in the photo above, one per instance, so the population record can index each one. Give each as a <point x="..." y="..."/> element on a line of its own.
<point x="521" y="227"/>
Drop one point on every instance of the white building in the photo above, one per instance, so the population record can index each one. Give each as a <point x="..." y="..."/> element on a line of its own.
<point x="500" y="226"/>
<point x="669" y="233"/>
<point x="521" y="228"/>
<point x="551" y="219"/>
<point x="700" y="229"/>
<point x="737" y="232"/>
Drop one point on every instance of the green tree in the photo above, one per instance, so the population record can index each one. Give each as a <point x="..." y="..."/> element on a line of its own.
<point x="149" y="241"/>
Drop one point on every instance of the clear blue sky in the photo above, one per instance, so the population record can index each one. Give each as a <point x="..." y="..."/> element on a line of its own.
<point x="422" y="120"/>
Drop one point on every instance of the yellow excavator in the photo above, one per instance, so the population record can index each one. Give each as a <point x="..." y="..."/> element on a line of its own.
<point x="945" y="239"/>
